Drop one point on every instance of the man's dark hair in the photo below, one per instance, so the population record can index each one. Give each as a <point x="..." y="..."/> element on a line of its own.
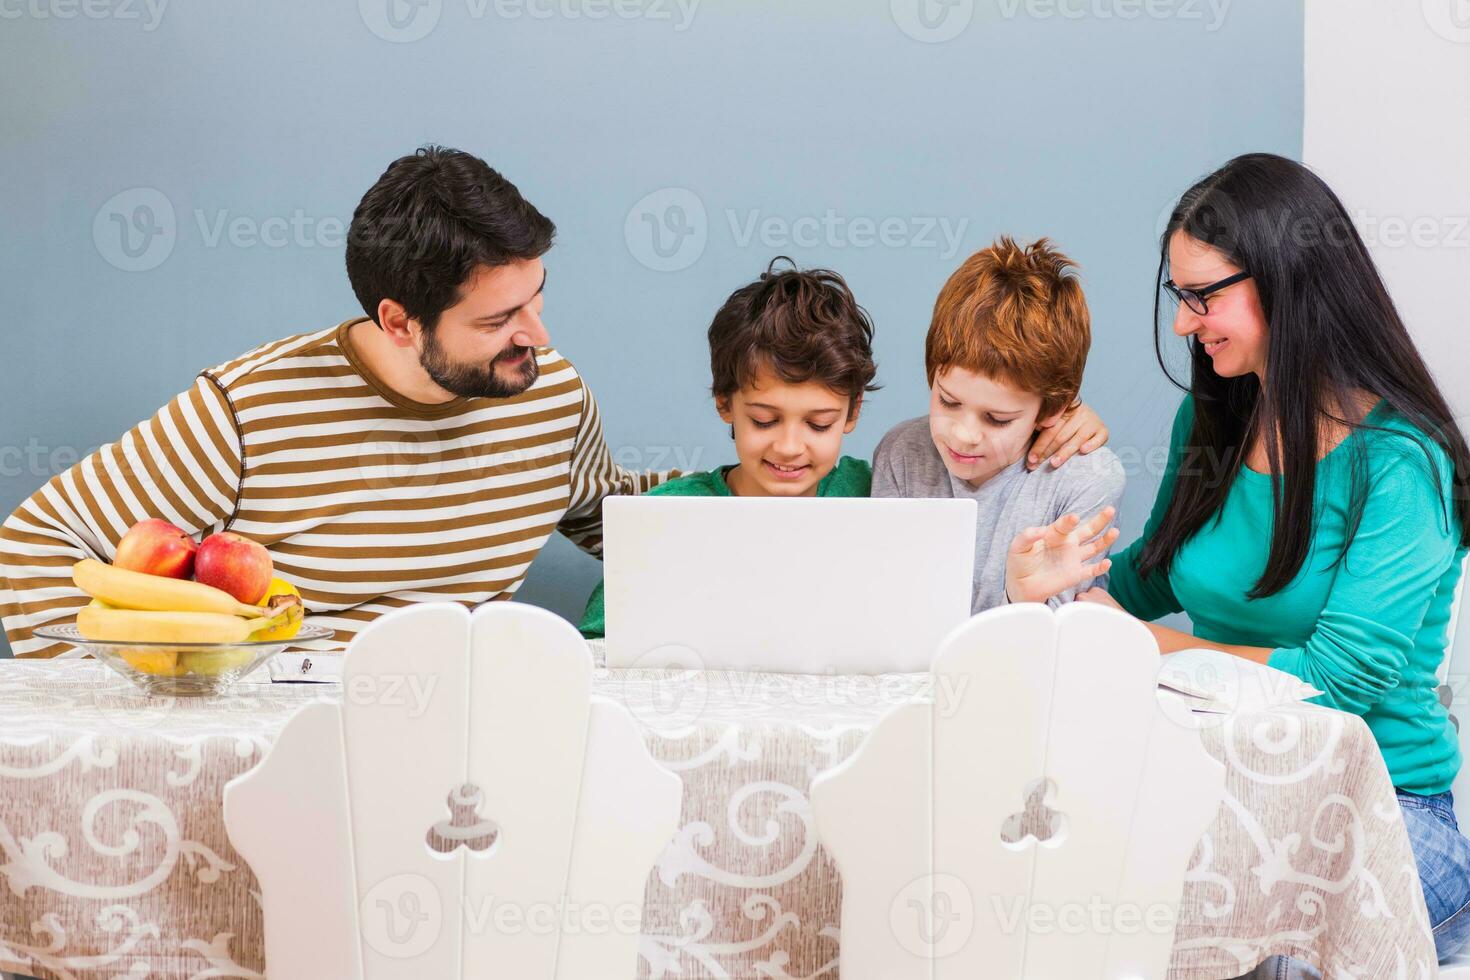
<point x="429" y="222"/>
<point x="799" y="325"/>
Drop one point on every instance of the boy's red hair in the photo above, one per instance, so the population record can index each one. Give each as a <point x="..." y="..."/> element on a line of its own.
<point x="1017" y="315"/>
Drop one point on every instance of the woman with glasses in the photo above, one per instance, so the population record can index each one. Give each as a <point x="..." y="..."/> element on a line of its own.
<point x="1316" y="502"/>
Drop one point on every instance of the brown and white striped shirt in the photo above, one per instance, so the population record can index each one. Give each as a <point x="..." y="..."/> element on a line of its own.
<point x="366" y="500"/>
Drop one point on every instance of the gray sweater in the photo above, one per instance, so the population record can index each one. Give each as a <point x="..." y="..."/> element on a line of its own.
<point x="907" y="464"/>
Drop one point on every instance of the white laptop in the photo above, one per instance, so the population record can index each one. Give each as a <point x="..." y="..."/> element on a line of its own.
<point x="841" y="585"/>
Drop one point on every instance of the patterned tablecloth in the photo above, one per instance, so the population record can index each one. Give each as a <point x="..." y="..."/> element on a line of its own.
<point x="114" y="860"/>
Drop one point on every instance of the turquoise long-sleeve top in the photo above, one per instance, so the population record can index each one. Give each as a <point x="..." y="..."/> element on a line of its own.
<point x="1369" y="630"/>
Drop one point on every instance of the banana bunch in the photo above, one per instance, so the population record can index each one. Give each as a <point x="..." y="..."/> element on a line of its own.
<point x="134" y="607"/>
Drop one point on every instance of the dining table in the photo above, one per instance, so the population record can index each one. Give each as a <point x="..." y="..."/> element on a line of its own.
<point x="115" y="861"/>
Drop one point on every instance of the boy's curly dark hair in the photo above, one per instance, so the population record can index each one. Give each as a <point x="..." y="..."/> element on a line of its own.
<point x="799" y="325"/>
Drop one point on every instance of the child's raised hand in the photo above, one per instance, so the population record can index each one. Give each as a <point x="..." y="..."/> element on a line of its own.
<point x="1044" y="561"/>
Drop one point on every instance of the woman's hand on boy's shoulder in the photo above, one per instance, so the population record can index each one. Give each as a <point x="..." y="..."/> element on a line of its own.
<point x="1077" y="430"/>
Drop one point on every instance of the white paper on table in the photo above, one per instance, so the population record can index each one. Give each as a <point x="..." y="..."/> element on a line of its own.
<point x="1216" y="682"/>
<point x="306" y="668"/>
<point x="325" y="667"/>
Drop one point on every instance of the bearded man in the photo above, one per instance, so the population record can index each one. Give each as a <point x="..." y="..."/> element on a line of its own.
<point x="425" y="451"/>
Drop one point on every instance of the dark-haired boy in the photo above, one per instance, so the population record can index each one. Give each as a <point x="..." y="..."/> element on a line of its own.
<point x="425" y="451"/>
<point x="791" y="356"/>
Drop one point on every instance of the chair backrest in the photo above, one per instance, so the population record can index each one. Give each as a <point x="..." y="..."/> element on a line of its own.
<point x="1036" y="821"/>
<point x="468" y="810"/>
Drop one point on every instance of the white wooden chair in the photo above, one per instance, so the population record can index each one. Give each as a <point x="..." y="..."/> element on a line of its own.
<point x="346" y="822"/>
<point x="943" y="873"/>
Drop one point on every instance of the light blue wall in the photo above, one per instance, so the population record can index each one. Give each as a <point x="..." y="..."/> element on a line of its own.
<point x="1057" y="117"/>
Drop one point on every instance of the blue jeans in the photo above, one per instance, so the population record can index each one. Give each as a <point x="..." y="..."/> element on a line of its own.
<point x="1443" y="856"/>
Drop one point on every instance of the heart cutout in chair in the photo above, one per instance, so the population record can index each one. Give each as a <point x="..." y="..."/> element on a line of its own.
<point x="465" y="826"/>
<point x="1036" y="821"/>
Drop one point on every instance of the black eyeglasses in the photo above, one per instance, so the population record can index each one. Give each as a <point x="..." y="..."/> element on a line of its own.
<point x="1195" y="298"/>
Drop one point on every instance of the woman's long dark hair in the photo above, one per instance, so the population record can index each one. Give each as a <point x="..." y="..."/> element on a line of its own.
<point x="1332" y="334"/>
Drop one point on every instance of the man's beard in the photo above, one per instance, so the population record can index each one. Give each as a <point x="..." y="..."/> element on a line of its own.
<point x="478" y="380"/>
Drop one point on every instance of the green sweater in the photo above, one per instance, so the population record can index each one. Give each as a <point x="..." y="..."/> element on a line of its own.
<point x="849" y="478"/>
<point x="1370" y="631"/>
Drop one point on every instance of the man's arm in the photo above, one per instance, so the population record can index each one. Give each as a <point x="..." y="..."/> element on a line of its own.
<point x="594" y="477"/>
<point x="182" y="465"/>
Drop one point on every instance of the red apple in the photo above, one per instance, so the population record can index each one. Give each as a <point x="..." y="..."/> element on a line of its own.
<point x="235" y="564"/>
<point x="156" y="547"/>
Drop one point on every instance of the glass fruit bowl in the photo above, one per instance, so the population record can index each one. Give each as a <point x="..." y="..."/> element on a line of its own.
<point x="181" y="669"/>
